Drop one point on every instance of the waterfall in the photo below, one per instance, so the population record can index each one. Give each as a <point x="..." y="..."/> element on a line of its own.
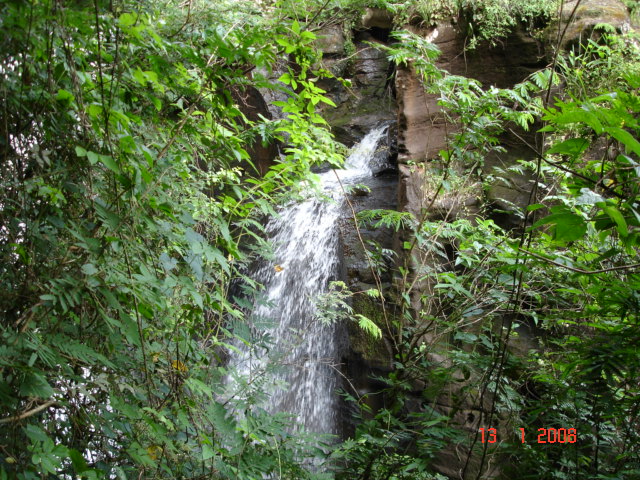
<point x="306" y="258"/>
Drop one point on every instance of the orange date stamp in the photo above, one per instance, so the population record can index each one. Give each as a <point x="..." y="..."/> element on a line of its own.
<point x="544" y="435"/>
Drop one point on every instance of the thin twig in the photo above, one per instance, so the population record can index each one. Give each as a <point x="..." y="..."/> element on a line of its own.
<point x="580" y="270"/>
<point x="28" y="413"/>
<point x="376" y="277"/>
<point x="515" y="297"/>
<point x="186" y="22"/>
<point x="317" y="14"/>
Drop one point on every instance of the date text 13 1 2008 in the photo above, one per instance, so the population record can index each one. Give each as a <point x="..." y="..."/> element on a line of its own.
<point x="545" y="435"/>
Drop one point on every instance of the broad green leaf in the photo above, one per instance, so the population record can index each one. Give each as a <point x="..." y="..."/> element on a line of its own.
<point x="167" y="262"/>
<point x="616" y="216"/>
<point x="89" y="269"/>
<point x="139" y="75"/>
<point x="106" y="160"/>
<point x="35" y="385"/>
<point x="568" y="226"/>
<point x="327" y="100"/>
<point x="207" y="452"/>
<point x="64" y="95"/>
<point x="78" y="461"/>
<point x="35" y="433"/>
<point x="156" y="103"/>
<point x="110" y="163"/>
<point x="576" y="114"/>
<point x="285" y="78"/>
<point x="109" y="217"/>
<point x="624" y="137"/>
<point x="573" y="147"/>
<point x="93" y="157"/>
<point x="535" y="206"/>
<point x="465" y="337"/>
<point x="127" y="19"/>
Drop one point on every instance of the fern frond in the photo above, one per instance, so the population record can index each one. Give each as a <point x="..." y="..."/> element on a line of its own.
<point x="368" y="326"/>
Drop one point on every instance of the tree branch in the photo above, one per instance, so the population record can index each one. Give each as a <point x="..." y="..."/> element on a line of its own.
<point x="28" y="413"/>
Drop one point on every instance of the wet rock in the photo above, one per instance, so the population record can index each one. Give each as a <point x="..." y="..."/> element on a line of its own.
<point x="360" y="272"/>
<point x="421" y="125"/>
<point x="371" y="69"/>
<point x="374" y="352"/>
<point x="359" y="191"/>
<point x="412" y="197"/>
<point x="366" y="353"/>
<point x="525" y="337"/>
<point x="509" y="186"/>
<point x="271" y="96"/>
<point x="368" y="101"/>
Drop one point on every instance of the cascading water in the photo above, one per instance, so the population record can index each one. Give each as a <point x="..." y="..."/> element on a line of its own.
<point x="306" y="258"/>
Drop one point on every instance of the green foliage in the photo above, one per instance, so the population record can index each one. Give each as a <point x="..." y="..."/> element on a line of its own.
<point x="332" y="306"/>
<point x="634" y="9"/>
<point x="491" y="20"/>
<point x="132" y="208"/>
<point x="605" y="188"/>
<point x="386" y="218"/>
<point x="129" y="201"/>
<point x="376" y="451"/>
<point x="601" y="65"/>
<point x="472" y="298"/>
<point x="477" y="115"/>
<point x="485" y="20"/>
<point x="587" y="379"/>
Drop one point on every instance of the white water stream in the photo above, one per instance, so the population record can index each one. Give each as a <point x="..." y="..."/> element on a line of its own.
<point x="306" y="258"/>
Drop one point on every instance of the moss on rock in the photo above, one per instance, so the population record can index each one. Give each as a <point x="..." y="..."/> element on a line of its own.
<point x="374" y="351"/>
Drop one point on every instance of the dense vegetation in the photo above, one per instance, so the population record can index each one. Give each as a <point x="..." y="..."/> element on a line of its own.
<point x="569" y="275"/>
<point x="131" y="209"/>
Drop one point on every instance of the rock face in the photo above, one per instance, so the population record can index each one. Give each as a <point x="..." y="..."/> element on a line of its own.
<point x="509" y="190"/>
<point x="377" y="18"/>
<point x="421" y="133"/>
<point x="422" y="129"/>
<point x="586" y="17"/>
<point x="368" y="356"/>
<point x="369" y="100"/>
<point x="331" y="40"/>
<point x="365" y="101"/>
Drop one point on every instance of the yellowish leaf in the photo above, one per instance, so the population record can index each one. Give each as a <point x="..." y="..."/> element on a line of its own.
<point x="154" y="451"/>
<point x="179" y="366"/>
